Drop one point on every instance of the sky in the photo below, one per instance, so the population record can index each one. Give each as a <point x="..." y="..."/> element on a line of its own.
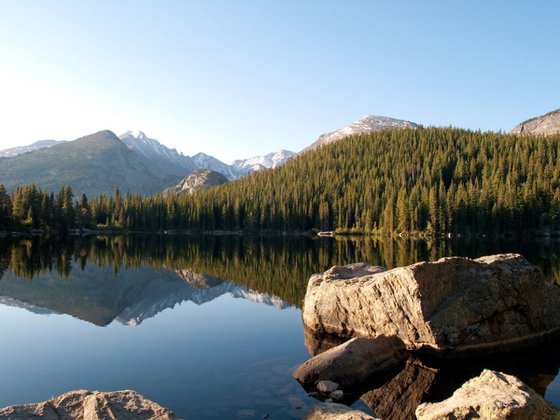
<point x="241" y="78"/>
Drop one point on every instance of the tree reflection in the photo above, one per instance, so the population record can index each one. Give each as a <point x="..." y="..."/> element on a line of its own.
<point x="279" y="266"/>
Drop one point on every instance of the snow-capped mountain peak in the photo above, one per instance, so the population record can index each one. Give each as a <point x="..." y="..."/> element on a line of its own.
<point x="135" y="133"/>
<point x="257" y="163"/>
<point x="160" y="159"/>
<point x="365" y="125"/>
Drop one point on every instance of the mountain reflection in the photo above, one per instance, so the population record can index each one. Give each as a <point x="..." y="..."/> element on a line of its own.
<point x="131" y="278"/>
<point x="99" y="295"/>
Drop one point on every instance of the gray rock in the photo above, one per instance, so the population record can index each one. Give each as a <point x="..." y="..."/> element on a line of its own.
<point x="354" y="362"/>
<point x="545" y="125"/>
<point x="197" y="180"/>
<point x="334" y="411"/>
<point x="492" y="395"/>
<point x="91" y="405"/>
<point x="452" y="307"/>
<point x="337" y="395"/>
<point x="326" y="387"/>
<point x="368" y="124"/>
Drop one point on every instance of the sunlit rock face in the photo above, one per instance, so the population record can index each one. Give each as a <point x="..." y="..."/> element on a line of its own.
<point x="452" y="307"/>
<point x="369" y="123"/>
<point x="492" y="395"/>
<point x="91" y="405"/>
<point x="545" y="125"/>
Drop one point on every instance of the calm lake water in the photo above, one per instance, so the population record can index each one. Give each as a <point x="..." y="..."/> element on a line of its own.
<point x="209" y="327"/>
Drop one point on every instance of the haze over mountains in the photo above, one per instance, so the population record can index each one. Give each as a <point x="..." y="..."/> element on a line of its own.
<point x="14" y="151"/>
<point x="96" y="163"/>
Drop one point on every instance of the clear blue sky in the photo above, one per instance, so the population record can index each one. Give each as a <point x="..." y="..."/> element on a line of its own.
<point x="241" y="78"/>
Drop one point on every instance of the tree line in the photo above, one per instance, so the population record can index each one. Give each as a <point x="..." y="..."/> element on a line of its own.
<point x="429" y="180"/>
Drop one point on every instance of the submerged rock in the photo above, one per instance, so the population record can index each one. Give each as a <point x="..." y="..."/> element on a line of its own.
<point x="492" y="395"/>
<point x="334" y="411"/>
<point x="90" y="405"/>
<point x="452" y="307"/>
<point x="353" y="363"/>
<point x="326" y="387"/>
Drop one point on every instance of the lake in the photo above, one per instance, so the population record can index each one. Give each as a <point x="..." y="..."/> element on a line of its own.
<point x="209" y="327"/>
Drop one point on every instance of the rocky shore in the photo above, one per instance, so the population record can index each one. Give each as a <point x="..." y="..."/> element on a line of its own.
<point x="403" y="324"/>
<point x="91" y="405"/>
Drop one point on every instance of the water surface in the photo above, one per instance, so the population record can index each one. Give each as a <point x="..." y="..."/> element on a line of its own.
<point x="209" y="327"/>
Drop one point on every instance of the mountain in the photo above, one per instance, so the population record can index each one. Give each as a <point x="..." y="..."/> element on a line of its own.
<point x="242" y="167"/>
<point x="367" y="124"/>
<point x="259" y="163"/>
<point x="200" y="178"/>
<point x="204" y="161"/>
<point x="545" y="125"/>
<point x="14" y="151"/>
<point x="96" y="163"/>
<point x="159" y="159"/>
<point x="92" y="164"/>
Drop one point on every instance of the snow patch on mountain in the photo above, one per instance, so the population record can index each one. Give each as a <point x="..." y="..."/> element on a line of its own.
<point x="14" y="151"/>
<point x="159" y="159"/>
<point x="259" y="163"/>
<point x="367" y="124"/>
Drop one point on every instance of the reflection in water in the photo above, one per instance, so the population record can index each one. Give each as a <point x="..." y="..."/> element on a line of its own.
<point x="429" y="381"/>
<point x="130" y="279"/>
<point x="99" y="295"/>
<point x="275" y="266"/>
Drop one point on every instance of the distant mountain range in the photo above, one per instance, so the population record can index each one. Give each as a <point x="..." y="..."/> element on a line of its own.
<point x="14" y="151"/>
<point x="96" y="163"/>
<point x="99" y="296"/>
<point x="92" y="164"/>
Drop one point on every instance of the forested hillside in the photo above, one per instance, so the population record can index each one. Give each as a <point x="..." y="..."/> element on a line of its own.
<point x="415" y="180"/>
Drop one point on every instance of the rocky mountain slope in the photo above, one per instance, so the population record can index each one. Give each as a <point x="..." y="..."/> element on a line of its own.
<point x="19" y="150"/>
<point x="200" y="178"/>
<point x="93" y="164"/>
<point x="96" y="163"/>
<point x="259" y="163"/>
<point x="242" y="167"/>
<point x="545" y="125"/>
<point x="159" y="159"/>
<point x="204" y="161"/>
<point x="365" y="125"/>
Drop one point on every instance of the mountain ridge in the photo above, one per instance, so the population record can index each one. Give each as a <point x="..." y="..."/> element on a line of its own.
<point x="369" y="123"/>
<point x="133" y="161"/>
<point x="545" y="125"/>
<point x="94" y="164"/>
<point x="19" y="150"/>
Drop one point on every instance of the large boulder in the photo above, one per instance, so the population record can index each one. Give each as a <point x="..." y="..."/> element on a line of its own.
<point x="492" y="395"/>
<point x="452" y="307"/>
<point x="90" y="405"/>
<point x="354" y="362"/>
